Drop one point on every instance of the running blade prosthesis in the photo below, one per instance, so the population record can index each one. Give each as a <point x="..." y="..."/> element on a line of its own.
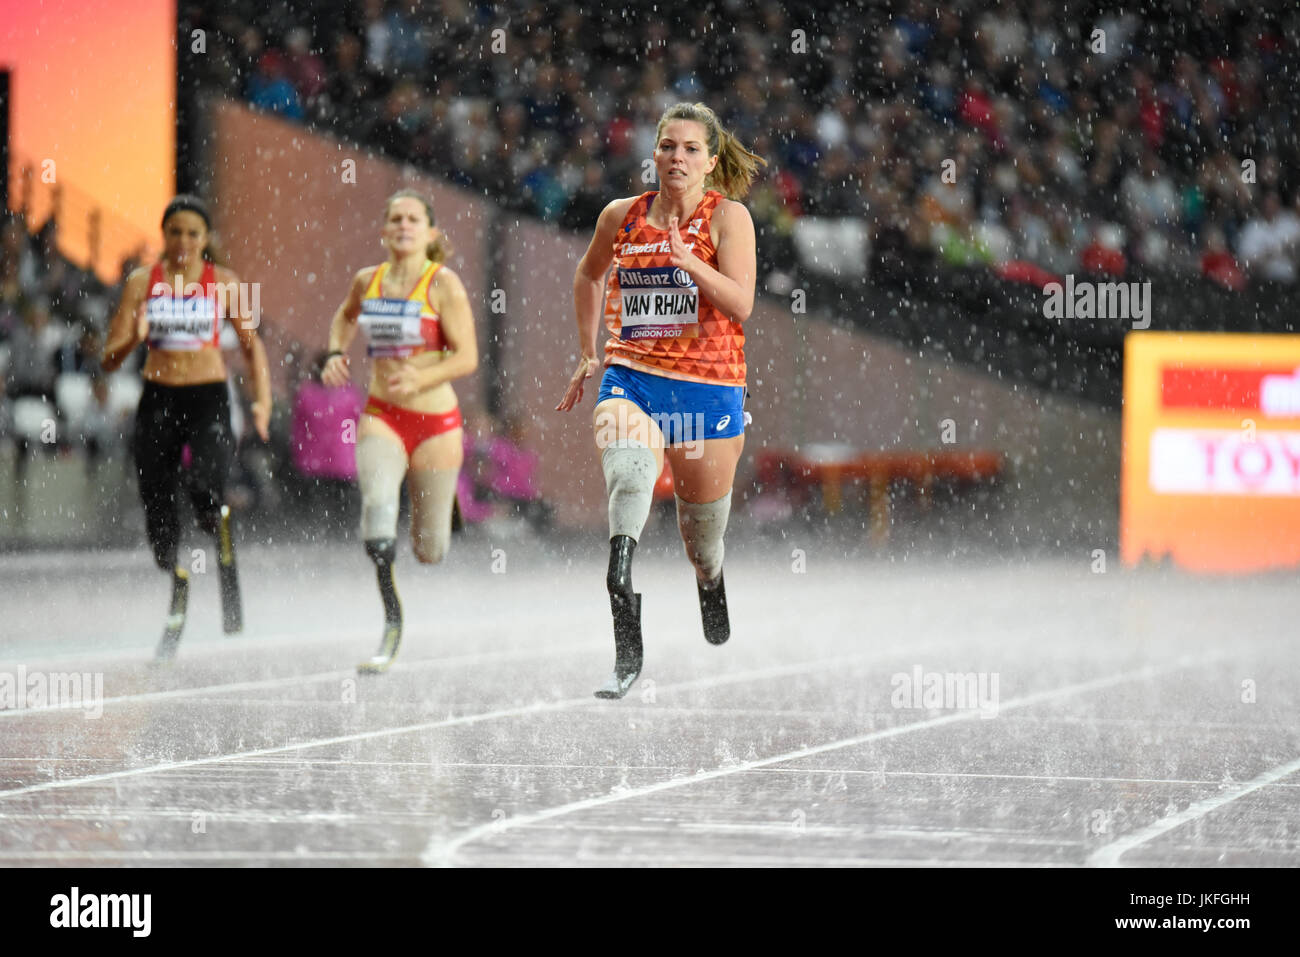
<point x="627" y="647"/>
<point x="713" y="612"/>
<point x="626" y="607"/>
<point x="175" y="616"/>
<point x="383" y="554"/>
<point x="380" y="661"/>
<point x="232" y="606"/>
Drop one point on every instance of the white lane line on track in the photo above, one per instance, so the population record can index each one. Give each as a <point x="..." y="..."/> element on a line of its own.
<point x="262" y="683"/>
<point x="212" y="650"/>
<point x="1109" y="855"/>
<point x="443" y="853"/>
<point x="361" y="858"/>
<point x="757" y="674"/>
<point x="982" y="776"/>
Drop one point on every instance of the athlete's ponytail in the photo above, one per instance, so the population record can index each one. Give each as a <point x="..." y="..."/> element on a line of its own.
<point x="736" y="167"/>
<point x="439" y="249"/>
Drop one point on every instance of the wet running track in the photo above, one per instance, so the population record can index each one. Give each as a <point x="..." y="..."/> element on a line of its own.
<point x="865" y="712"/>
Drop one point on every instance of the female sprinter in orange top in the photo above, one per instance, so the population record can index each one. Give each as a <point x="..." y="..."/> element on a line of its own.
<point x="417" y="319"/>
<point x="177" y="307"/>
<point x="674" y="382"/>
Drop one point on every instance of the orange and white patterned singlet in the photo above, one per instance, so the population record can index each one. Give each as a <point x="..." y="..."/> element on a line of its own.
<point x="657" y="319"/>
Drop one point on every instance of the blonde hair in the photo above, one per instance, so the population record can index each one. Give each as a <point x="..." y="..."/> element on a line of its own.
<point x="736" y="167"/>
<point x="439" y="249"/>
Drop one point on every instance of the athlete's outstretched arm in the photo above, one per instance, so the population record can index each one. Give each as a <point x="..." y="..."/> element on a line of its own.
<point x="130" y="325"/>
<point x="457" y="328"/>
<point x="730" y="287"/>
<point x="250" y="344"/>
<point x="587" y="296"/>
<point x="343" y="329"/>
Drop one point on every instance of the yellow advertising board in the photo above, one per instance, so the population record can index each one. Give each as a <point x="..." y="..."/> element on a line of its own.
<point x="1211" y="473"/>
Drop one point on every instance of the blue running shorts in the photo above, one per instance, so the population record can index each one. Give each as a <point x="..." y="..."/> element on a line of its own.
<point x="684" y="411"/>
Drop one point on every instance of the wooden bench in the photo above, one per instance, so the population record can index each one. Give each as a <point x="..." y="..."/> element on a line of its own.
<point x="876" y="470"/>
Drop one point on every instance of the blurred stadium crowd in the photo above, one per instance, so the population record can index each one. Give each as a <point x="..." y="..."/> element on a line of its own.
<point x="1071" y="148"/>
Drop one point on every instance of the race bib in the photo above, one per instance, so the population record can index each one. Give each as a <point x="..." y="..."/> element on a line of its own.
<point x="660" y="302"/>
<point x="392" y="327"/>
<point x="181" y="325"/>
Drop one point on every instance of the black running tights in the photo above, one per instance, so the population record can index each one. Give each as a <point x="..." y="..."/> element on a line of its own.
<point x="169" y="418"/>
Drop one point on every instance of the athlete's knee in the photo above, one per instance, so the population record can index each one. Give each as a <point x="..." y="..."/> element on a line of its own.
<point x="630" y="475"/>
<point x="433" y="492"/>
<point x="430" y="548"/>
<point x="381" y="464"/>
<point x="379" y="516"/>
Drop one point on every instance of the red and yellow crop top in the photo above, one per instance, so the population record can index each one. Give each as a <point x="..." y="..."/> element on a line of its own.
<point x="397" y="328"/>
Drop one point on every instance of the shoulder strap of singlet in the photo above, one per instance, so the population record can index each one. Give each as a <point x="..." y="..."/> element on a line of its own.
<point x="376" y="287"/>
<point x="426" y="281"/>
<point x="637" y="212"/>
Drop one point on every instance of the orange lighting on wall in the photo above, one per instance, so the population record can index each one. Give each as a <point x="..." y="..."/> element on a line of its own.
<point x="92" y="108"/>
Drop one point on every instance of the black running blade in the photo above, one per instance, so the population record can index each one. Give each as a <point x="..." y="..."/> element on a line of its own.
<point x="232" y="606"/>
<point x="616" y="686"/>
<point x="713" y="612"/>
<point x="171" y="640"/>
<point x="383" y="658"/>
<point x="175" y="618"/>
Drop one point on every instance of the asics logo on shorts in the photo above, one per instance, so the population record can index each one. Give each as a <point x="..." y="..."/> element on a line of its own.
<point x="722" y="422"/>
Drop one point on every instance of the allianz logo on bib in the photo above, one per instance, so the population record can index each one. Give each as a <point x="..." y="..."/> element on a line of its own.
<point x="164" y="308"/>
<point x="391" y="307"/>
<point x="658" y="277"/>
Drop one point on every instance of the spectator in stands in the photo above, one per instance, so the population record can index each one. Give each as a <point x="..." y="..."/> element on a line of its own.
<point x="586" y="203"/>
<point x="19" y="266"/>
<point x="1104" y="254"/>
<point x="396" y="128"/>
<point x="1218" y="264"/>
<point x="270" y="89"/>
<point x="80" y="351"/>
<point x="1149" y="195"/>
<point x="1148" y="133"/>
<point x="33" y="345"/>
<point x="832" y="189"/>
<point x="1269" y="244"/>
<point x="304" y="69"/>
<point x="349" y="87"/>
